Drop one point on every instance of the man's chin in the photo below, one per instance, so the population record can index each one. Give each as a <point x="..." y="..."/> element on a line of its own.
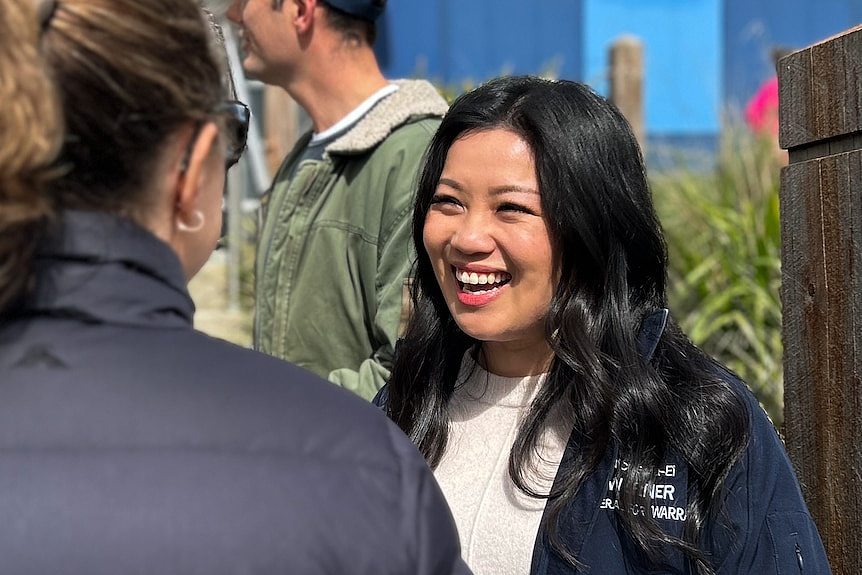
<point x="253" y="68"/>
<point x="251" y="72"/>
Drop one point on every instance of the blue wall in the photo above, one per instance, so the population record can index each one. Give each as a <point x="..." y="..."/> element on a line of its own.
<point x="682" y="52"/>
<point x="457" y="41"/>
<point x="701" y="55"/>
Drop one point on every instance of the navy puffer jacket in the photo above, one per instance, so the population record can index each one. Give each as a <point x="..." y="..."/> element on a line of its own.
<point x="130" y="443"/>
<point x="766" y="528"/>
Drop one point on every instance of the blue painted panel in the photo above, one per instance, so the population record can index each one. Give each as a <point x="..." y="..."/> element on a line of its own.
<point x="410" y="40"/>
<point x="457" y="41"/>
<point x="753" y="28"/>
<point x="682" y="52"/>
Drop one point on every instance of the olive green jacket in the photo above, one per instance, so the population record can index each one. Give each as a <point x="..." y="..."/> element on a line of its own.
<point x="335" y="241"/>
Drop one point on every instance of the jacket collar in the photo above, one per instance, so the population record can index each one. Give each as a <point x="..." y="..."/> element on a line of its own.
<point x="413" y="99"/>
<point x="107" y="269"/>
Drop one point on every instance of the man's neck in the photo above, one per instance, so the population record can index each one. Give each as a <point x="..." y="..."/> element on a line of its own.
<point x="332" y="89"/>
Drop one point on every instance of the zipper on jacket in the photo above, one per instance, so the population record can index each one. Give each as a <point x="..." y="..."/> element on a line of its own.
<point x="274" y="211"/>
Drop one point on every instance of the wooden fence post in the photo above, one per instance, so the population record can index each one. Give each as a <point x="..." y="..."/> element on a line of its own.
<point x="820" y="117"/>
<point x="626" y="82"/>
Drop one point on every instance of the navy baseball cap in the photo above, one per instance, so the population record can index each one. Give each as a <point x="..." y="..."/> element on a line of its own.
<point x="364" y="9"/>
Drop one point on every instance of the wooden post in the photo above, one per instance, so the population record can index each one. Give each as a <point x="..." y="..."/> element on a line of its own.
<point x="626" y="82"/>
<point x="820" y="117"/>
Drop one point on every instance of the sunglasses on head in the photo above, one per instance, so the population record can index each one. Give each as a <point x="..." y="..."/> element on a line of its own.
<point x="236" y="117"/>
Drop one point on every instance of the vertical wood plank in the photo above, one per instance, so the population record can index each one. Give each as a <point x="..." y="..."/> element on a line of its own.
<point x="802" y="294"/>
<point x="795" y="112"/>
<point x="853" y="79"/>
<point x="849" y="492"/>
<point x="820" y="102"/>
<point x="833" y="389"/>
<point x="828" y="89"/>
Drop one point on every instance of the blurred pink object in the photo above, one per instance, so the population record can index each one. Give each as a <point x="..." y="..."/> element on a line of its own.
<point x="761" y="112"/>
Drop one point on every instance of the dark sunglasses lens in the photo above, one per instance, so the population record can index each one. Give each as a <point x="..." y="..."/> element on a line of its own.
<point x="237" y="119"/>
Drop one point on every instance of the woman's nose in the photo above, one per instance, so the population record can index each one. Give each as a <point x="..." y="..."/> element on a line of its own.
<point x="472" y="236"/>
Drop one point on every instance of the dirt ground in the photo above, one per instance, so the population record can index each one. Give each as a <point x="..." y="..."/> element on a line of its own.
<point x="212" y="316"/>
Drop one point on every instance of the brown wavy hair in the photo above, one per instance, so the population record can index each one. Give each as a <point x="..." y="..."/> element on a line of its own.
<point x="31" y="132"/>
<point x="127" y="74"/>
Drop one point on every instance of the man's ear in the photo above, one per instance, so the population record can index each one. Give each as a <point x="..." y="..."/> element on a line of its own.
<point x="305" y="14"/>
<point x="191" y="178"/>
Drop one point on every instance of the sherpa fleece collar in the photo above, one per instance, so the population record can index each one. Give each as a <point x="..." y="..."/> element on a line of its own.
<point x="414" y="98"/>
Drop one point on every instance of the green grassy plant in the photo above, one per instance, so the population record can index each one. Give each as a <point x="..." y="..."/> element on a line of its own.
<point x="723" y="237"/>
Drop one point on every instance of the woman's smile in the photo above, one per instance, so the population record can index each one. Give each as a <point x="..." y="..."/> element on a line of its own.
<point x="478" y="288"/>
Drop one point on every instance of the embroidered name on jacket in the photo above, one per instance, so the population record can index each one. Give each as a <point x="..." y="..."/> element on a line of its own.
<point x="666" y="492"/>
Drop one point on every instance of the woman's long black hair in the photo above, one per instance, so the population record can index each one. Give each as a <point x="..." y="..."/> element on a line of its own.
<point x="612" y="260"/>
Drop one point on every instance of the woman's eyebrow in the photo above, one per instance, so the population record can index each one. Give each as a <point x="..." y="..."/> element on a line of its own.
<point x="513" y="189"/>
<point x="451" y="183"/>
<point x="494" y="191"/>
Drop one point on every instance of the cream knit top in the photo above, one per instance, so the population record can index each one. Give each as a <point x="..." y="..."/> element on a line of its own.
<point x="497" y="522"/>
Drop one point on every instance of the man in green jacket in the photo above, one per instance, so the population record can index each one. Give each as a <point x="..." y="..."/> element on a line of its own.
<point x="333" y="256"/>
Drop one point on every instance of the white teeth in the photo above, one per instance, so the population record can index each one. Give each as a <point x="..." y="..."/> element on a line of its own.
<point x="474" y="278"/>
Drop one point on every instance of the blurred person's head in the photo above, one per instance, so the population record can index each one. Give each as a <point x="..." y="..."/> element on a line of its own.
<point x="284" y="41"/>
<point x="147" y="129"/>
<point x="355" y="19"/>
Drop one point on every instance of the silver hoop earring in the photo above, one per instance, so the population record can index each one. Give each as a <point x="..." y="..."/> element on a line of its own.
<point x="196" y="227"/>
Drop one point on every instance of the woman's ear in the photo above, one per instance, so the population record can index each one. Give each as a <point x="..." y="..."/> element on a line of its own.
<point x="191" y="177"/>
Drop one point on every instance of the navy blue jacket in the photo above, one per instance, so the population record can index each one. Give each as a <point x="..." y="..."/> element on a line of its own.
<point x="130" y="443"/>
<point x="767" y="529"/>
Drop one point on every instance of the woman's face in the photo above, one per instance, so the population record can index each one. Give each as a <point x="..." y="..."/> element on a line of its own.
<point x="488" y="240"/>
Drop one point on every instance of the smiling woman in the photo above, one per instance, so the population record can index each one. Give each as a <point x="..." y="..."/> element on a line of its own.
<point x="541" y="337"/>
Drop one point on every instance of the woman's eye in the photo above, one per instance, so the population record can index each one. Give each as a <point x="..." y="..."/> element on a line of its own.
<point x="509" y="207"/>
<point x="443" y="200"/>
